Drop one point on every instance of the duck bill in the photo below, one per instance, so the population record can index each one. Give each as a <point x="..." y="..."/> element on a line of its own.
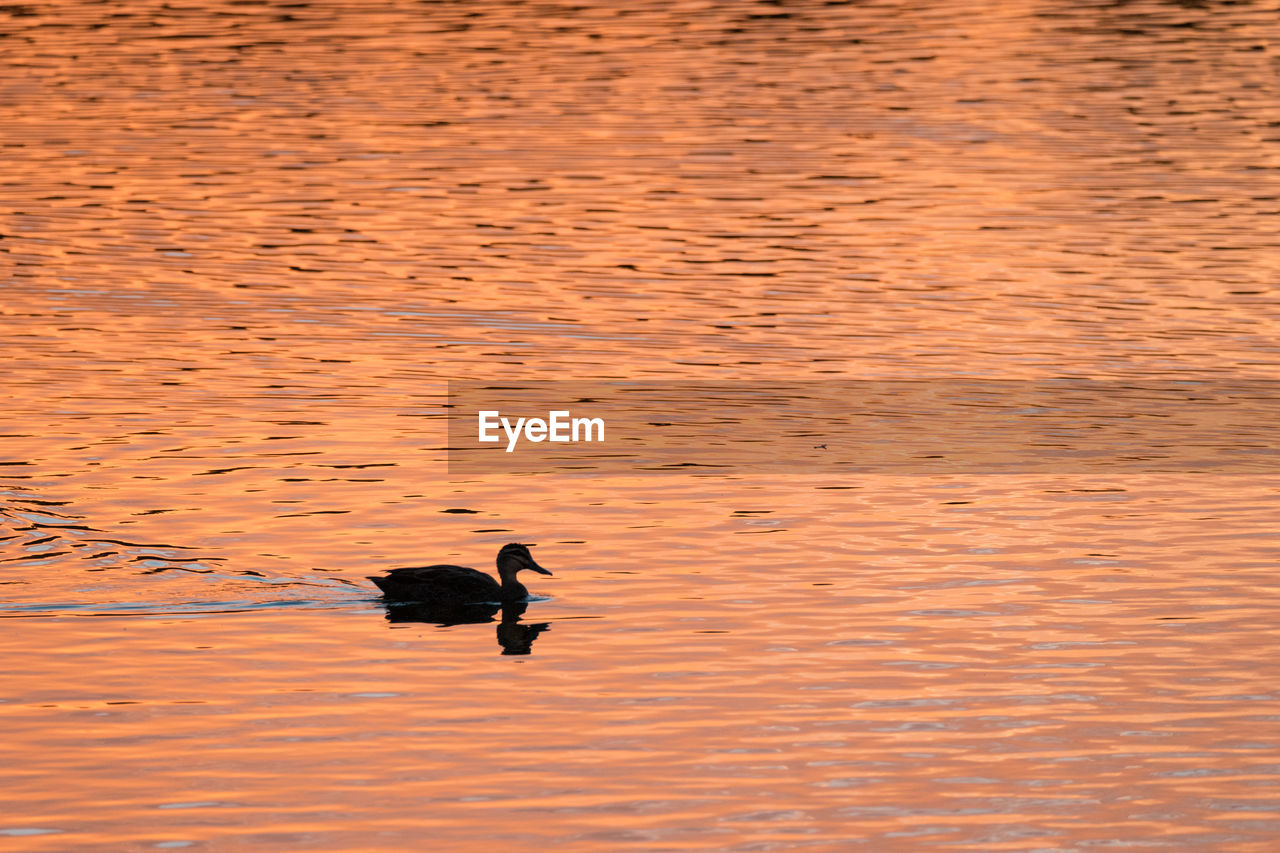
<point x="538" y="568"/>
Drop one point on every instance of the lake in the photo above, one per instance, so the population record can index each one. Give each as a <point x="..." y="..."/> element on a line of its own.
<point x="249" y="248"/>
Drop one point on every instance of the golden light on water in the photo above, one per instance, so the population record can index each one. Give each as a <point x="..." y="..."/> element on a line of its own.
<point x="246" y="247"/>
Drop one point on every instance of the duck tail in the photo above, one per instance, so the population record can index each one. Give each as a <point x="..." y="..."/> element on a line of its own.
<point x="380" y="583"/>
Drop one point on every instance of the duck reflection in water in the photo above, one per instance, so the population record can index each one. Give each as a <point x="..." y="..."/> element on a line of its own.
<point x="515" y="637"/>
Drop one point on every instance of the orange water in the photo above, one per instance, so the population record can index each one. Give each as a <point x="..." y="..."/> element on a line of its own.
<point x="246" y="245"/>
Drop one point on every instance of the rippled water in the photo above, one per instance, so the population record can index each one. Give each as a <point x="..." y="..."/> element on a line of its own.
<point x="247" y="245"/>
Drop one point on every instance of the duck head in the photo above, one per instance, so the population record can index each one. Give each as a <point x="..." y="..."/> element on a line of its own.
<point x="515" y="557"/>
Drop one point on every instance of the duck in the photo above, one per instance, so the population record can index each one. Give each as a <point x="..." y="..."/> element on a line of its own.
<point x="458" y="585"/>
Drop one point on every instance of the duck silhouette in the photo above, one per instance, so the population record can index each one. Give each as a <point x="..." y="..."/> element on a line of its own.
<point x="451" y="586"/>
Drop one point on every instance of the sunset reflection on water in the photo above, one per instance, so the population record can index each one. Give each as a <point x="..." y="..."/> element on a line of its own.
<point x="247" y="245"/>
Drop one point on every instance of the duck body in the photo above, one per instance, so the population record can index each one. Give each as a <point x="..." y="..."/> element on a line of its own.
<point x="459" y="585"/>
<point x="454" y="584"/>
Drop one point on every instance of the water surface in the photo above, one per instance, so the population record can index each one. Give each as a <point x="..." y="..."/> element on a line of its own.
<point x="247" y="245"/>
